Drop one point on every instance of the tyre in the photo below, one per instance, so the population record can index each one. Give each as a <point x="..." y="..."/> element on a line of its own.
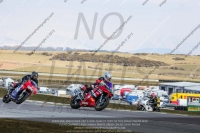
<point x="100" y="106"/>
<point x="139" y="107"/>
<point x="75" y="105"/>
<point x="21" y="99"/>
<point x="158" y="109"/>
<point x="6" y="99"/>
<point x="143" y="108"/>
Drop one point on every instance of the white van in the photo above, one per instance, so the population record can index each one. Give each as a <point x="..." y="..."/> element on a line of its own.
<point x="1" y="81"/>
<point x="43" y="90"/>
<point x="7" y="82"/>
<point x="60" y="92"/>
<point x="129" y="86"/>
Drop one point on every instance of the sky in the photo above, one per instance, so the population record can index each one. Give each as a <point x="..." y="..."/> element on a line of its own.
<point x="155" y="25"/>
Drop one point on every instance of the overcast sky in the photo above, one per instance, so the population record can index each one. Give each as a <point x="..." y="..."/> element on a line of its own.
<point x="154" y="27"/>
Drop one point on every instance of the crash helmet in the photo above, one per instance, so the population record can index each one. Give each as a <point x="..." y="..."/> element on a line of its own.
<point x="107" y="76"/>
<point x="34" y="75"/>
<point x="153" y="95"/>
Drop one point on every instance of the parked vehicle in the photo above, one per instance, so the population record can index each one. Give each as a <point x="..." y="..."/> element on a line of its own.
<point x="1" y="81"/>
<point x="60" y="92"/>
<point x="43" y="90"/>
<point x="175" y="96"/>
<point x="7" y="82"/>
<point x="133" y="96"/>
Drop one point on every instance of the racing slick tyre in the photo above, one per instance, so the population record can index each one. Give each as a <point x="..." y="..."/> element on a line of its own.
<point x="143" y="109"/>
<point x="22" y="98"/>
<point x="6" y="99"/>
<point x="158" y="109"/>
<point x="99" y="106"/>
<point x="74" y="104"/>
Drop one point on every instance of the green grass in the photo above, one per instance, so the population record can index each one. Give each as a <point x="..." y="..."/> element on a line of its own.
<point x="2" y="92"/>
<point x="24" y="126"/>
<point x="63" y="100"/>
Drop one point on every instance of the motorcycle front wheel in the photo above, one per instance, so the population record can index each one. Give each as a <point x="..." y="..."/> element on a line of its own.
<point x="6" y="99"/>
<point x="75" y="104"/>
<point x="22" y="98"/>
<point x="99" y="106"/>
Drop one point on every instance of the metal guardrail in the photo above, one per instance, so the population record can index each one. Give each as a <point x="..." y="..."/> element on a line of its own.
<point x="170" y="105"/>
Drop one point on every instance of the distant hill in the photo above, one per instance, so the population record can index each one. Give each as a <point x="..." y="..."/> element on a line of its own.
<point x="40" y="49"/>
<point x="145" y="50"/>
<point x="156" y="50"/>
<point x="47" y="49"/>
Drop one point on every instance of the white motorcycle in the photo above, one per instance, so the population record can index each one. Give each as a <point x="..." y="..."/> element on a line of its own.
<point x="144" y="105"/>
<point x="147" y="107"/>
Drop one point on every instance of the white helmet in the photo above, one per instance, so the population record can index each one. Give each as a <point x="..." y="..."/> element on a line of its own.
<point x="107" y="76"/>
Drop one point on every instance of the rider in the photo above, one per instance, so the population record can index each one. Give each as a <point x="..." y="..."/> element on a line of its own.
<point x="153" y="100"/>
<point x="100" y="81"/>
<point x="33" y="76"/>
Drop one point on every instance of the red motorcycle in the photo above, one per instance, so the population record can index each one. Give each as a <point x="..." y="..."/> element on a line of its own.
<point x="98" y="98"/>
<point x="21" y="93"/>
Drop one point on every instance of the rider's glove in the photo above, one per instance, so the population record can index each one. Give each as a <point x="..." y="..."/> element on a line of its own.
<point x="102" y="83"/>
<point x="98" y="81"/>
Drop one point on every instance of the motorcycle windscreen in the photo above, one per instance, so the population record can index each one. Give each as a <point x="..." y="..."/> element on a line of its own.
<point x="34" y="84"/>
<point x="109" y="84"/>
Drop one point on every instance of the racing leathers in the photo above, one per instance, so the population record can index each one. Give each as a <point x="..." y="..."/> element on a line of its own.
<point x="98" y="82"/>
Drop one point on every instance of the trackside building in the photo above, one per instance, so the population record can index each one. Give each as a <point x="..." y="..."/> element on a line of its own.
<point x="180" y="87"/>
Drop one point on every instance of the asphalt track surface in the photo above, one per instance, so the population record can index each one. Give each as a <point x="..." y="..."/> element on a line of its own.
<point x="147" y="122"/>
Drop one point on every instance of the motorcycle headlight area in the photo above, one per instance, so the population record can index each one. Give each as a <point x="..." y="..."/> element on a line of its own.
<point x="76" y="92"/>
<point x="30" y="88"/>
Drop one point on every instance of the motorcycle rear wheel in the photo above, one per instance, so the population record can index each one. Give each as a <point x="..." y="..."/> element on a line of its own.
<point x="6" y="99"/>
<point x="104" y="105"/>
<point x="73" y="105"/>
<point x="139" y="107"/>
<point x="23" y="98"/>
<point x="143" y="109"/>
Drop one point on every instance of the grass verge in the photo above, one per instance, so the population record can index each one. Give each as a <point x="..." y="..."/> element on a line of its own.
<point x="24" y="126"/>
<point x="63" y="100"/>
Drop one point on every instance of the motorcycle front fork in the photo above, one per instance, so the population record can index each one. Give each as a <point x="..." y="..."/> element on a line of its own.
<point x="80" y="96"/>
<point x="101" y="97"/>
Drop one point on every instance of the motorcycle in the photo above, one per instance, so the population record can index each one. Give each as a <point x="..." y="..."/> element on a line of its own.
<point x="98" y="98"/>
<point x="20" y="93"/>
<point x="145" y="105"/>
<point x="142" y="102"/>
<point x="149" y="107"/>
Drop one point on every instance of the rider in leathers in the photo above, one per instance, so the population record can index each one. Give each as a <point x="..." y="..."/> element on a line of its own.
<point x="33" y="76"/>
<point x="100" y="81"/>
<point x="153" y="101"/>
